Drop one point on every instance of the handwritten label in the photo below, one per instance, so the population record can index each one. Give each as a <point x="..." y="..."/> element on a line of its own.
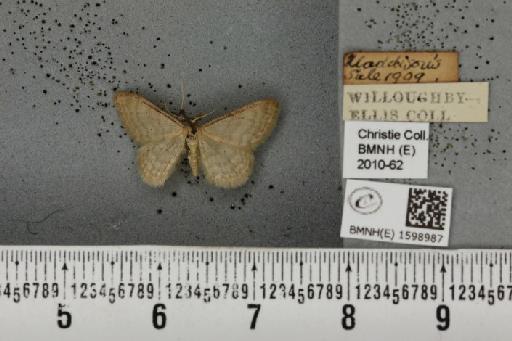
<point x="385" y="150"/>
<point x="400" y="67"/>
<point x="397" y="213"/>
<point x="427" y="102"/>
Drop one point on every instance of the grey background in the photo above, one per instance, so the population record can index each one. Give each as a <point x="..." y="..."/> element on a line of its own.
<point x="67" y="171"/>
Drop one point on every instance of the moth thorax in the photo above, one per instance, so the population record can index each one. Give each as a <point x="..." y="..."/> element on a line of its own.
<point x="193" y="155"/>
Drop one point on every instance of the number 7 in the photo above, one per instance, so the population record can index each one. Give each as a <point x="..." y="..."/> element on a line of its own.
<point x="256" y="308"/>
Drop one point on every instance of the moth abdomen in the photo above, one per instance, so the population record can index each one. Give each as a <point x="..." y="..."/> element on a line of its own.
<point x="193" y="154"/>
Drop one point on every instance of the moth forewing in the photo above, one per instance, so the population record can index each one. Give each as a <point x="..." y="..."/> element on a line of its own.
<point x="226" y="144"/>
<point x="144" y="121"/>
<point x="249" y="125"/>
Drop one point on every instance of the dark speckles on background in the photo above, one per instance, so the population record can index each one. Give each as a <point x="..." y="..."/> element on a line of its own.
<point x="283" y="49"/>
<point x="443" y="25"/>
<point x="471" y="158"/>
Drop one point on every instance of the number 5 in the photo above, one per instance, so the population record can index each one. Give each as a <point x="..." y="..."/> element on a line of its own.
<point x="64" y="320"/>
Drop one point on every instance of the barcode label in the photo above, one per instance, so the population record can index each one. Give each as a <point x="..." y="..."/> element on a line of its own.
<point x="396" y="213"/>
<point x="427" y="208"/>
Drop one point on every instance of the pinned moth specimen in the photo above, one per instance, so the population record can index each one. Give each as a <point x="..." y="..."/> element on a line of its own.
<point x="222" y="148"/>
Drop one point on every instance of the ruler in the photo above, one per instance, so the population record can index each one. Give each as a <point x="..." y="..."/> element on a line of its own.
<point x="194" y="293"/>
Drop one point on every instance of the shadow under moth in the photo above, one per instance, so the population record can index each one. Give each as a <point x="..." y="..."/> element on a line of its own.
<point x="222" y="148"/>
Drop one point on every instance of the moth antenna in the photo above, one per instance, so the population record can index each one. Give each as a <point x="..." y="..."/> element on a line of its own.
<point x="166" y="107"/>
<point x="201" y="116"/>
<point x="182" y="95"/>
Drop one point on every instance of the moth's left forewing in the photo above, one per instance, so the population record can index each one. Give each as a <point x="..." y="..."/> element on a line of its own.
<point x="248" y="126"/>
<point x="226" y="144"/>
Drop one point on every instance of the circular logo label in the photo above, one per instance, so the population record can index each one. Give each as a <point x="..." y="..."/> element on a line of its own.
<point x="365" y="200"/>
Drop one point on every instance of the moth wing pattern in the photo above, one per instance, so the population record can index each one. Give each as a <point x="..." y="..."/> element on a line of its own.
<point x="223" y="164"/>
<point x="144" y="121"/>
<point x="156" y="161"/>
<point x="248" y="126"/>
<point x="226" y="144"/>
<point x="161" y="137"/>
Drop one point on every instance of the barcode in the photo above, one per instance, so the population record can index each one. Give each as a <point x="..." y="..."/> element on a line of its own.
<point x="426" y="208"/>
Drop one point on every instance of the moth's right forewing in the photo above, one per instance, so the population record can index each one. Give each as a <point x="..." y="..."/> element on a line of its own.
<point x="158" y="160"/>
<point x="144" y="121"/>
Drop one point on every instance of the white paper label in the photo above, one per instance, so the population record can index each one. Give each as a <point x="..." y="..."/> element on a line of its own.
<point x="423" y="102"/>
<point x="385" y="150"/>
<point x="397" y="213"/>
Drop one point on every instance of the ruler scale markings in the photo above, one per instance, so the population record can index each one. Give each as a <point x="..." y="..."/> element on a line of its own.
<point x="510" y="267"/>
<point x="491" y="265"/>
<point x="395" y="267"/>
<point x="216" y="267"/>
<point x="290" y="259"/>
<point x="263" y="268"/>
<point x="282" y="266"/>
<point x="121" y="266"/>
<point x="54" y="266"/>
<point x="197" y="269"/>
<point x="102" y="266"/>
<point x="501" y="268"/>
<point x="16" y="263"/>
<point x="433" y="268"/>
<point x="367" y="267"/>
<point x="319" y="265"/>
<point x="338" y="268"/>
<point x="414" y="268"/>
<point x="206" y="272"/>
<point x="348" y="270"/>
<point x="506" y="261"/>
<point x="273" y="266"/>
<point x="225" y="260"/>
<point x="462" y="270"/>
<point x="45" y="270"/>
<point x="472" y="267"/>
<point x="329" y="267"/>
<point x="404" y="262"/>
<point x="301" y="269"/>
<point x="451" y="269"/>
<point x="310" y="268"/>
<point x="245" y="265"/>
<point x="35" y="266"/>
<point x="359" y="266"/>
<point x="386" y="268"/>
<point x="375" y="261"/>
<point x="480" y="258"/>
<point x="253" y="271"/>
<point x="131" y="266"/>
<point x="159" y="270"/>
<point x="150" y="266"/>
<point x="64" y="275"/>
<point x="443" y="273"/>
